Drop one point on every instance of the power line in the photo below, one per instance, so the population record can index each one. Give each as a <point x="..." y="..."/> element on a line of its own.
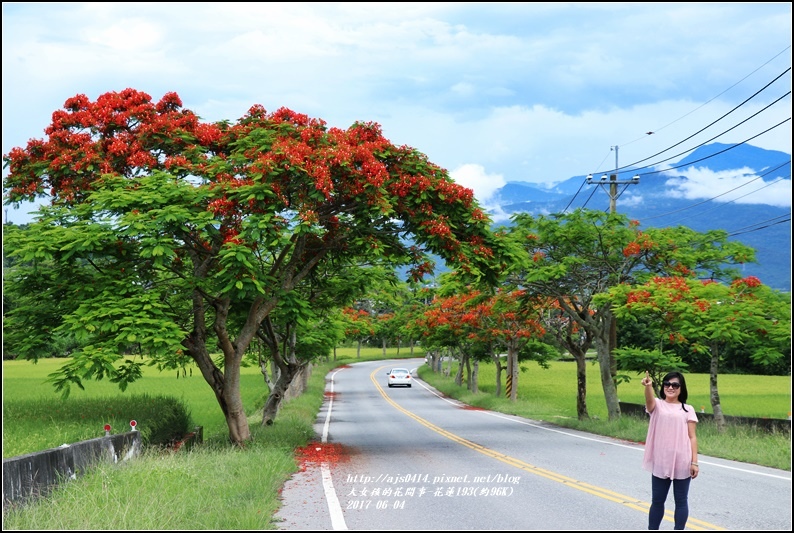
<point x="730" y="202"/>
<point x="770" y="171"/>
<point x="577" y="194"/>
<point x="701" y="130"/>
<point x="714" y="122"/>
<point x="645" y="136"/>
<point x="717" y="153"/>
<point x="726" y="192"/>
<point x="768" y="224"/>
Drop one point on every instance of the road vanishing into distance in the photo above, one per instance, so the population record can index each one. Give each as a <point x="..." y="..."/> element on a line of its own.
<point x="412" y="459"/>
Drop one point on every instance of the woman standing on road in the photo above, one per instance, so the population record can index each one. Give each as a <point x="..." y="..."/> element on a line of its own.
<point x="671" y="447"/>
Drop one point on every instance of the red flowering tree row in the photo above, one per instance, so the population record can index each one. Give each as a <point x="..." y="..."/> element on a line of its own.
<point x="473" y="325"/>
<point x="359" y="326"/>
<point x="576" y="258"/>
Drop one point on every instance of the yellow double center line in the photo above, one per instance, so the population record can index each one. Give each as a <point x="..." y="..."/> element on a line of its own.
<point x="601" y="492"/>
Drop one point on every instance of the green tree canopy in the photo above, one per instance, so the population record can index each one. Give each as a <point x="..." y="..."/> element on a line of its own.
<point x="161" y="226"/>
<point x="706" y="316"/>
<point x="575" y="256"/>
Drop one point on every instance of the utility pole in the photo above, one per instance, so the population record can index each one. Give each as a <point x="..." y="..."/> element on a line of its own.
<point x="613" y="185"/>
<point x="613" y="182"/>
<point x="613" y="208"/>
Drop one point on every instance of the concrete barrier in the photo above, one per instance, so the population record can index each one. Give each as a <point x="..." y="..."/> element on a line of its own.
<point x="769" y="424"/>
<point x="34" y="474"/>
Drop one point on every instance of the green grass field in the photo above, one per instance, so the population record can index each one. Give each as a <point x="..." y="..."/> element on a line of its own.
<point x="36" y="418"/>
<point x="740" y="395"/>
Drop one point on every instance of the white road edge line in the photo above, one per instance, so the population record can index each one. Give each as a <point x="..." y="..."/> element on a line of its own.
<point x="334" y="508"/>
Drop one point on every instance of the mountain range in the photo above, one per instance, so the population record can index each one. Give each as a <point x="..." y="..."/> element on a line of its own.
<point x="657" y="200"/>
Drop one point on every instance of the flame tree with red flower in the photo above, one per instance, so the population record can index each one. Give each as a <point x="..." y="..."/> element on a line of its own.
<point x="575" y="256"/>
<point x="707" y="316"/>
<point x="510" y="322"/>
<point x="445" y="335"/>
<point x="358" y="326"/>
<point x="177" y="236"/>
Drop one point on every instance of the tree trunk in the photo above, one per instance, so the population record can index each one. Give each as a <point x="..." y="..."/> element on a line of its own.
<point x="464" y="362"/>
<point x="512" y="366"/>
<point x="608" y="384"/>
<point x="576" y="333"/>
<point x="432" y="361"/>
<point x="226" y="387"/>
<point x="278" y="393"/>
<point x="239" y="432"/>
<point x="358" y="349"/>
<point x="268" y="376"/>
<point x="577" y="346"/>
<point x="288" y="367"/>
<point x="613" y="343"/>
<point x="579" y="356"/>
<point x="468" y="372"/>
<point x="719" y="417"/>
<point x="499" y="368"/>
<point x="475" y="377"/>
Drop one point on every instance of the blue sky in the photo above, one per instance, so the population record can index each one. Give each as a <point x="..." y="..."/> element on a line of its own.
<point x="492" y="92"/>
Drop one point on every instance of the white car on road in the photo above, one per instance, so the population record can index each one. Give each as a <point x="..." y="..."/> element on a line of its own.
<point x="399" y="377"/>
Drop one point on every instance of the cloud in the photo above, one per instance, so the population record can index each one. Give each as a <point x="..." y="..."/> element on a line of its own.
<point x="742" y="186"/>
<point x="534" y="92"/>
<point x="474" y="177"/>
<point x="484" y="185"/>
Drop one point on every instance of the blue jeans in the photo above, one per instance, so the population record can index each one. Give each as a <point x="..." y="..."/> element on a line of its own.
<point x="659" y="489"/>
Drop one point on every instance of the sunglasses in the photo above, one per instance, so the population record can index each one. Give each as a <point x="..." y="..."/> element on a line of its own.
<point x="671" y="384"/>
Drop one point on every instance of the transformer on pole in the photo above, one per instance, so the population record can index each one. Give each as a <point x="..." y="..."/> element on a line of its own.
<point x="613" y="182"/>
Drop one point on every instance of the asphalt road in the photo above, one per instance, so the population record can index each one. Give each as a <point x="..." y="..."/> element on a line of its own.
<point x="410" y="459"/>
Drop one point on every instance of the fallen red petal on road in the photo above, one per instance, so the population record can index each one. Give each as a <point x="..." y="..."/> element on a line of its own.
<point x="317" y="452"/>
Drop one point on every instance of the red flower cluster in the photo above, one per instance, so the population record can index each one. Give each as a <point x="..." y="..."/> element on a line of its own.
<point x="749" y="281"/>
<point x="284" y="167"/>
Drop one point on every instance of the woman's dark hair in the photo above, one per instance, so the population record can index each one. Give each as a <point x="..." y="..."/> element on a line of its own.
<point x="682" y="396"/>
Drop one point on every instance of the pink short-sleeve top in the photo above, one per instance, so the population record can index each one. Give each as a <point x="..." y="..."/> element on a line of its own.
<point x="668" y="450"/>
